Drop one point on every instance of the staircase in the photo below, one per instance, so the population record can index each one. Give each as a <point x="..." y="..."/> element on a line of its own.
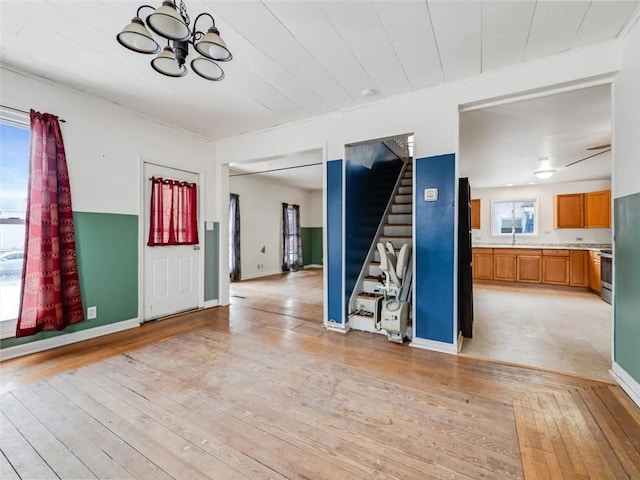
<point x="397" y="229"/>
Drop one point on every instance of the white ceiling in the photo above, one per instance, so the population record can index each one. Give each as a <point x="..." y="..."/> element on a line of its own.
<point x="501" y="145"/>
<point x="300" y="170"/>
<point x="296" y="59"/>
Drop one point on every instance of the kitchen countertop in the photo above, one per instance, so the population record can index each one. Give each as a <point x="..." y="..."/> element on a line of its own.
<point x="565" y="246"/>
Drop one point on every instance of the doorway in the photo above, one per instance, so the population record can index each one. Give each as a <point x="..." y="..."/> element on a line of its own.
<point x="268" y="192"/>
<point x="534" y="297"/>
<point x="171" y="272"/>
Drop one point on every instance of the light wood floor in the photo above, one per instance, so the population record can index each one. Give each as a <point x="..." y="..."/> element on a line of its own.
<point x="240" y="392"/>
<point x="562" y="330"/>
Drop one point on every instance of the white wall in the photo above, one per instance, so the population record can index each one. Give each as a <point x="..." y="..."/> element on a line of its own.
<point x="547" y="234"/>
<point x="104" y="143"/>
<point x="314" y="219"/>
<point x="626" y="118"/>
<point x="261" y="222"/>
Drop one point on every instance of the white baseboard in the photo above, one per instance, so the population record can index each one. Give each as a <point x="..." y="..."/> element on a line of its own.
<point x="626" y="382"/>
<point x="336" y="327"/>
<point x="433" y="345"/>
<point x="211" y="303"/>
<point x="260" y="274"/>
<point x="61" y="340"/>
<point x="313" y="265"/>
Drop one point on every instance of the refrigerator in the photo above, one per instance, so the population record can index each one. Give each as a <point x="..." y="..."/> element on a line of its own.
<point x="465" y="260"/>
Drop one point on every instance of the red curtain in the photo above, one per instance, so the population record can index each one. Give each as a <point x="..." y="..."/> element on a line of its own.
<point x="174" y="213"/>
<point x="51" y="297"/>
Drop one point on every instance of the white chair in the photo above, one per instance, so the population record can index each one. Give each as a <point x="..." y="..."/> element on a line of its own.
<point x="393" y="268"/>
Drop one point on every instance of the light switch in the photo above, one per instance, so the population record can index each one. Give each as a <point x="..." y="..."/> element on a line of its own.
<point x="430" y="194"/>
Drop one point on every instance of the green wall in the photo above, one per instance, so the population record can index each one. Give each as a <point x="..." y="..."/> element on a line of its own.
<point x="627" y="284"/>
<point x="107" y="247"/>
<point x="211" y="262"/>
<point x="312" y="245"/>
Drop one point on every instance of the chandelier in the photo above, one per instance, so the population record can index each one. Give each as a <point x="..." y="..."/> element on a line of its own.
<point x="172" y="24"/>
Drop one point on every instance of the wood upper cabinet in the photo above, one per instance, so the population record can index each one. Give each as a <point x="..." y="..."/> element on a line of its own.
<point x="579" y="268"/>
<point x="555" y="267"/>
<point x="597" y="209"/>
<point x="504" y="265"/>
<point x="475" y="214"/>
<point x="569" y="210"/>
<point x="580" y="210"/>
<point x="483" y="263"/>
<point x="594" y="272"/>
<point x="529" y="265"/>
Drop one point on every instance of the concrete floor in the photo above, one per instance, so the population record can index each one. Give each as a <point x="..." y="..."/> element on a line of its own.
<point x="559" y="330"/>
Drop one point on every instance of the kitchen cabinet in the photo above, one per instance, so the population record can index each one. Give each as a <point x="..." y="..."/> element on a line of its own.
<point x="594" y="272"/>
<point x="504" y="264"/>
<point x="569" y="210"/>
<point x="579" y="268"/>
<point x="529" y="266"/>
<point x="597" y="209"/>
<point x="475" y="214"/>
<point x="583" y="210"/>
<point x="555" y="267"/>
<point x="483" y="263"/>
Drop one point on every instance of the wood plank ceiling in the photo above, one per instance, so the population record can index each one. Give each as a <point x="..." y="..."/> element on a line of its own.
<point x="297" y="59"/>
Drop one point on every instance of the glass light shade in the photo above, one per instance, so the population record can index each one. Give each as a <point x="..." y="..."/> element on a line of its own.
<point x="167" y="22"/>
<point x="136" y="37"/>
<point x="207" y="69"/>
<point x="544" y="174"/>
<point x="166" y="64"/>
<point x="213" y="47"/>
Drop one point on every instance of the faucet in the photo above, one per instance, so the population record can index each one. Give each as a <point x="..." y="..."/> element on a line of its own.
<point x="513" y="239"/>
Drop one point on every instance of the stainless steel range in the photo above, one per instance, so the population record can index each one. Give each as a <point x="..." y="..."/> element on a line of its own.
<point x="606" y="275"/>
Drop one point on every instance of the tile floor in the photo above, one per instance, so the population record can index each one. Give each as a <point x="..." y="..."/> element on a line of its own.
<point x="559" y="330"/>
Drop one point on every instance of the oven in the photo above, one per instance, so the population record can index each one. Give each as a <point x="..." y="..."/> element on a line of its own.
<point x="606" y="275"/>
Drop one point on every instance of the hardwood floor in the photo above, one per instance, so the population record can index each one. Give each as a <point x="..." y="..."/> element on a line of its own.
<point x="243" y="392"/>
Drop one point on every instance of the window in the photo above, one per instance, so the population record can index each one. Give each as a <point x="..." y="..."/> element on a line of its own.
<point x="517" y="217"/>
<point x="14" y="165"/>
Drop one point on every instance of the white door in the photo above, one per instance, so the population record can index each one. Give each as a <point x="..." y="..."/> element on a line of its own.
<point x="171" y="280"/>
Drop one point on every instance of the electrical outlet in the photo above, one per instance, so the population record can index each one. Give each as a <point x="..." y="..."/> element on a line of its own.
<point x="92" y="312"/>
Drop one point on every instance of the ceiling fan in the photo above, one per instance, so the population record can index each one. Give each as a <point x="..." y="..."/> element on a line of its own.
<point x="605" y="148"/>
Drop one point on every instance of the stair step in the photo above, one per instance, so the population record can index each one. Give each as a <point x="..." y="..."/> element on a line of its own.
<point x="402" y="208"/>
<point x="403" y="198"/>
<point x="397" y="240"/>
<point x="395" y="230"/>
<point x="405" y="190"/>
<point x="406" y="182"/>
<point x="364" y="324"/>
<point x="399" y="219"/>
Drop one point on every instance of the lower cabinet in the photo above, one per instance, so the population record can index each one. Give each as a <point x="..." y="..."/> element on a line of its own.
<point x="594" y="272"/>
<point x="529" y="266"/>
<point x="555" y="270"/>
<point x="483" y="263"/>
<point x="575" y="268"/>
<point x="504" y="265"/>
<point x="579" y="268"/>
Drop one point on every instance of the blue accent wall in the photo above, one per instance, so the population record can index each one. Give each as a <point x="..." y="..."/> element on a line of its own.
<point x="367" y="194"/>
<point x="334" y="241"/>
<point x="434" y="244"/>
<point x="626" y="283"/>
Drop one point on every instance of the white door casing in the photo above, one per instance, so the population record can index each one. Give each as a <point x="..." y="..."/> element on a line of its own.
<point x="171" y="273"/>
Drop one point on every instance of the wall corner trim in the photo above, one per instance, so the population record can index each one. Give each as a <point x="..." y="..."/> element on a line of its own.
<point x="211" y="303"/>
<point x="69" y="338"/>
<point x="626" y="382"/>
<point x="434" y="345"/>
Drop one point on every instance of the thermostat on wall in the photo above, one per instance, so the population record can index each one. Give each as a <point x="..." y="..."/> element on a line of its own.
<point x="430" y="194"/>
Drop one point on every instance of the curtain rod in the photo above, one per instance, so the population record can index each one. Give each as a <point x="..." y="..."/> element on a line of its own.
<point x="275" y="170"/>
<point x="24" y="111"/>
